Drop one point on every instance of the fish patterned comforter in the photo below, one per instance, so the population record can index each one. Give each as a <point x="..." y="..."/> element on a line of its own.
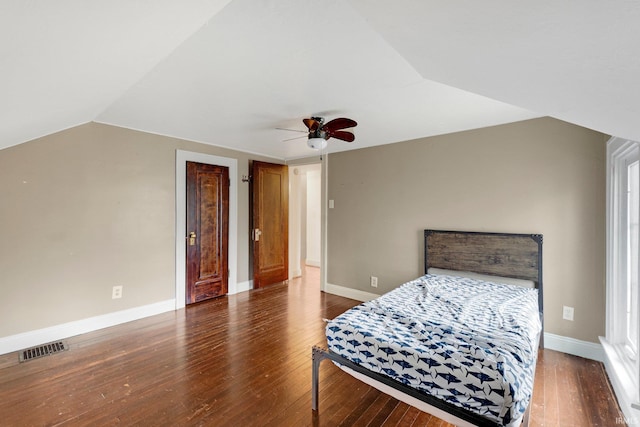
<point x="469" y="342"/>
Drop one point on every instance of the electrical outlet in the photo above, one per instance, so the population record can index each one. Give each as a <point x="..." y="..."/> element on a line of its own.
<point x="116" y="292"/>
<point x="374" y="282"/>
<point x="567" y="313"/>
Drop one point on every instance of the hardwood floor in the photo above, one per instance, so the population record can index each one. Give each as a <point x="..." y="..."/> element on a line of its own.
<point x="246" y="360"/>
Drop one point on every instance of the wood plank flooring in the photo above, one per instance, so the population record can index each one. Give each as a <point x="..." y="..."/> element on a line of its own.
<point x="246" y="360"/>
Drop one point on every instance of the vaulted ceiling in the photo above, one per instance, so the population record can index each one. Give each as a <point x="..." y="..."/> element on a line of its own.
<point x="230" y="72"/>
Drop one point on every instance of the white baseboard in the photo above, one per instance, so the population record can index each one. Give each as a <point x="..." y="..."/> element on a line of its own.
<point x="588" y="350"/>
<point x="42" y="336"/>
<point x="312" y="262"/>
<point x="242" y="287"/>
<point x="349" y="292"/>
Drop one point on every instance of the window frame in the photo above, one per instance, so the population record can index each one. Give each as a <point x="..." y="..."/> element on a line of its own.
<point x="623" y="370"/>
<point x="630" y="346"/>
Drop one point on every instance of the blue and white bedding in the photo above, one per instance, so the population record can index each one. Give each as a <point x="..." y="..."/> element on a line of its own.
<point x="469" y="342"/>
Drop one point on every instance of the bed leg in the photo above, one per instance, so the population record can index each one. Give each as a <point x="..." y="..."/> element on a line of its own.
<point x="525" y="419"/>
<point x="317" y="356"/>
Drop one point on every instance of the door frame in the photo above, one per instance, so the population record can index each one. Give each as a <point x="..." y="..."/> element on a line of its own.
<point x="182" y="157"/>
<point x="324" y="208"/>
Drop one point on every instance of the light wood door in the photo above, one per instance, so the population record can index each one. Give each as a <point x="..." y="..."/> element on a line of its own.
<point x="270" y="234"/>
<point x="207" y="231"/>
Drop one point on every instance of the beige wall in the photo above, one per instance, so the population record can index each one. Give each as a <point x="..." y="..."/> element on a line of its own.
<point x="89" y="208"/>
<point x="537" y="176"/>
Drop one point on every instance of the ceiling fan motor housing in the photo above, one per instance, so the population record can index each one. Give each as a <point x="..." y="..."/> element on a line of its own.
<point x="318" y="133"/>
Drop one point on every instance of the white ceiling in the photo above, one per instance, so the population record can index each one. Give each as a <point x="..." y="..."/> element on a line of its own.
<point x="229" y="72"/>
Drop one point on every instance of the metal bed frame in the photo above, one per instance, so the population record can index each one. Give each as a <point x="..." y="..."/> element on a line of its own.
<point x="499" y="254"/>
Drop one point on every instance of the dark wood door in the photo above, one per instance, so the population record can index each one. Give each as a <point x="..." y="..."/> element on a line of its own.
<point x="270" y="188"/>
<point x="207" y="231"/>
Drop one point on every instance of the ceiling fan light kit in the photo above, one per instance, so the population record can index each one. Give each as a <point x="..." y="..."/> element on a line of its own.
<point x="317" y="143"/>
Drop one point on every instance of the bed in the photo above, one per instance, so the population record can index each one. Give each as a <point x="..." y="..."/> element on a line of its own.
<point x="459" y="342"/>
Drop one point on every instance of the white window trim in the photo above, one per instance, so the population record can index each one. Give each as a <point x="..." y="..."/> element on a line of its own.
<point x="624" y="375"/>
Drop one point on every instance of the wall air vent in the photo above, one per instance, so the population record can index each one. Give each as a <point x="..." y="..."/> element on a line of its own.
<point x="42" y="350"/>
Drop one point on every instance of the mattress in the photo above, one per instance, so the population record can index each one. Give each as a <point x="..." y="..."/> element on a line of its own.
<point x="469" y="342"/>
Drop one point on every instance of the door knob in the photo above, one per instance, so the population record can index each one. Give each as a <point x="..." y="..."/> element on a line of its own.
<point x="192" y="238"/>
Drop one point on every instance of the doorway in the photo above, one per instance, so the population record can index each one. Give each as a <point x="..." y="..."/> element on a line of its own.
<point x="208" y="227"/>
<point x="182" y="157"/>
<point x="305" y="218"/>
<point x="270" y="219"/>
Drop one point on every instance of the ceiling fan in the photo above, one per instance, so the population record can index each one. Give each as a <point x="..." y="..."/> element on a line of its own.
<point x="319" y="131"/>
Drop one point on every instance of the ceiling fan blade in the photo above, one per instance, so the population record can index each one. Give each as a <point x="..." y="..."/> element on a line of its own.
<point x="343" y="135"/>
<point x="293" y="130"/>
<point x="311" y="124"/>
<point x="339" y="123"/>
<point x="297" y="137"/>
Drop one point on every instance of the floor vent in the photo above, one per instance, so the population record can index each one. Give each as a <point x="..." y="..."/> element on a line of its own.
<point x="43" y="350"/>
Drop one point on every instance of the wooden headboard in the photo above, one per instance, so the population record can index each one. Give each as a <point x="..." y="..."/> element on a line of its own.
<point x="497" y="254"/>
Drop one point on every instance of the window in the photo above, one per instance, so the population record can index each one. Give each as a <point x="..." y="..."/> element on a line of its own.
<point x="623" y="251"/>
<point x="631" y="226"/>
